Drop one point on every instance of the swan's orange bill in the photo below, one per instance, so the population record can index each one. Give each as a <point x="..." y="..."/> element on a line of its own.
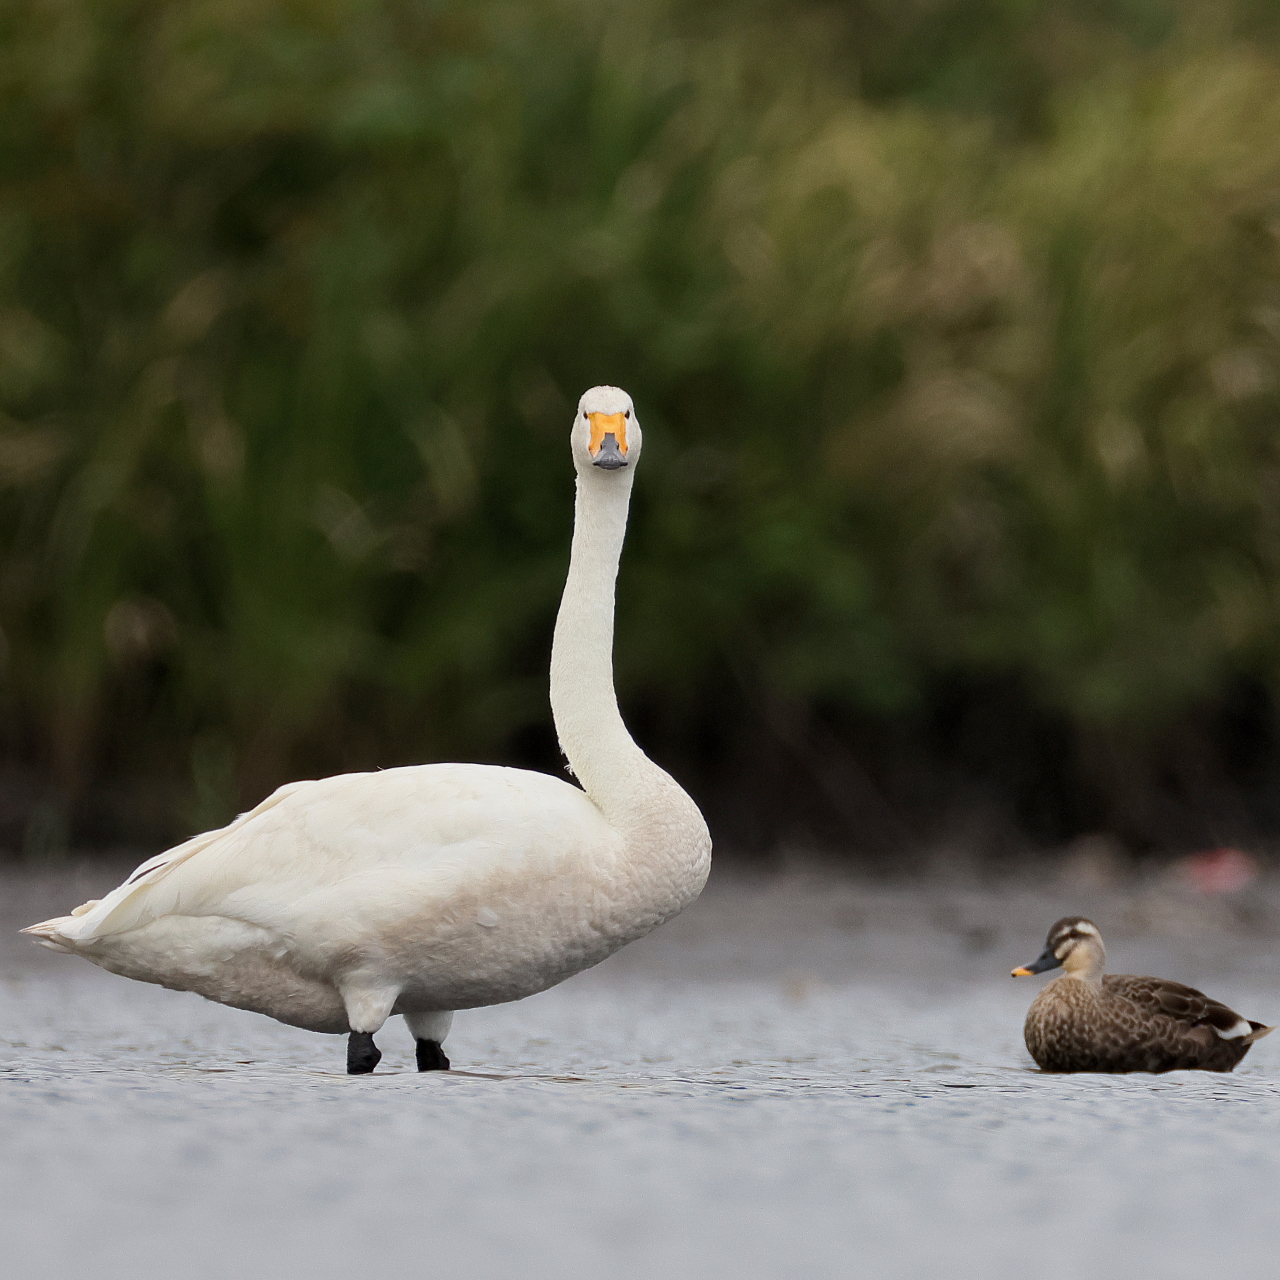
<point x="604" y="423"/>
<point x="1022" y="972"/>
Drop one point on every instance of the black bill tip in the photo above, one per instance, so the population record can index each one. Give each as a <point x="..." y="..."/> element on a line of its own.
<point x="610" y="457"/>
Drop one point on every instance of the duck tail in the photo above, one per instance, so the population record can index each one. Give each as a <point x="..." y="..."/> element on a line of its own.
<point x="1257" y="1033"/>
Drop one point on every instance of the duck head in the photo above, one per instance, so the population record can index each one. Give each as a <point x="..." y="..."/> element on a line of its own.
<point x="606" y="434"/>
<point x="1076" y="945"/>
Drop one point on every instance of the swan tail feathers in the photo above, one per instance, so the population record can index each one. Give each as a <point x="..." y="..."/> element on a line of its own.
<point x="148" y="893"/>
<point x="48" y="933"/>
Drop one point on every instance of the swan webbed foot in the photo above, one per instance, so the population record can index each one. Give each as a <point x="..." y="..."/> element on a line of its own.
<point x="362" y="1053"/>
<point x="431" y="1056"/>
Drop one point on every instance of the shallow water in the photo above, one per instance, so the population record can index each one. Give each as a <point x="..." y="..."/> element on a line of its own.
<point x="797" y="1078"/>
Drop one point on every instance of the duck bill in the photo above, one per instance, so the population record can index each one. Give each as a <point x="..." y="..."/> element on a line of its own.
<point x="1045" y="960"/>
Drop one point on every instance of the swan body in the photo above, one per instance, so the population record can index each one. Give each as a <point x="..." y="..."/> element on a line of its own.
<point x="422" y="890"/>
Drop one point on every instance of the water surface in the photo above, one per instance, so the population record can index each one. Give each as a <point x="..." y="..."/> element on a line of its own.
<point x="800" y="1077"/>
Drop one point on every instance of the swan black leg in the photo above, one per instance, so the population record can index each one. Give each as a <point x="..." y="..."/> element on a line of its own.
<point x="362" y="1053"/>
<point x="431" y="1056"/>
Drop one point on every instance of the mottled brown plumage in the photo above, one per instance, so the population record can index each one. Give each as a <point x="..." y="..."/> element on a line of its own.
<point x="1085" y="1021"/>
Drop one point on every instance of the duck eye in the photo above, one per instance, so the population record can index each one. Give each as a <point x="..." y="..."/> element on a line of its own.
<point x="585" y="414"/>
<point x="626" y="413"/>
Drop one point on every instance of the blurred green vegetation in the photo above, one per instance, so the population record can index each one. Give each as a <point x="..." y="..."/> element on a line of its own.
<point x="954" y="326"/>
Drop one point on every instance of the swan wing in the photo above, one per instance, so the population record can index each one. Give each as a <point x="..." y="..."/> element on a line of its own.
<point x="337" y="847"/>
<point x="113" y="914"/>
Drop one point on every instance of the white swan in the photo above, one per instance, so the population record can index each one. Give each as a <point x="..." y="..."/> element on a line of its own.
<point x="337" y="903"/>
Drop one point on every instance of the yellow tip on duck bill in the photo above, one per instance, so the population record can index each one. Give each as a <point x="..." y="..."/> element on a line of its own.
<point x="1021" y="972"/>
<point x="603" y="424"/>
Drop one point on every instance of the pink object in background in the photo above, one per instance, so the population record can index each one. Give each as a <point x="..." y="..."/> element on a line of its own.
<point x="1218" y="870"/>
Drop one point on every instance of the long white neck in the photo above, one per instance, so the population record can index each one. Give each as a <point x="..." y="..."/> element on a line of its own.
<point x="628" y="788"/>
<point x="666" y="845"/>
<point x="600" y="751"/>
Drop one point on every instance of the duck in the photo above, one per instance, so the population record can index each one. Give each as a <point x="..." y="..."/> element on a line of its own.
<point x="418" y="891"/>
<point x="1117" y="1022"/>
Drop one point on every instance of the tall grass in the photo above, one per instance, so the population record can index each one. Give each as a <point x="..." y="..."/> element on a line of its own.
<point x="957" y="357"/>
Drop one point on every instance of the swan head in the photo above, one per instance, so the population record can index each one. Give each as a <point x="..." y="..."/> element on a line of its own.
<point x="606" y="434"/>
<point x="1074" y="943"/>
